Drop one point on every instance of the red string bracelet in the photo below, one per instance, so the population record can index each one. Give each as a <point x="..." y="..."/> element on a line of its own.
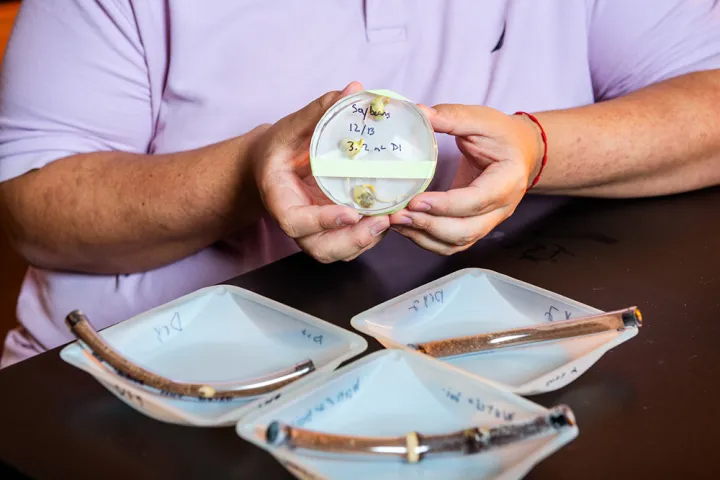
<point x="545" y="146"/>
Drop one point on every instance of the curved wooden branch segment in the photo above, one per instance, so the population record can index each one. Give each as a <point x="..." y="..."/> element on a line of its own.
<point x="83" y="330"/>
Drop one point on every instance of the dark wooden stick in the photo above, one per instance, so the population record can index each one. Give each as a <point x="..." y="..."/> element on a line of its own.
<point x="544" y="332"/>
<point x="83" y="330"/>
<point x="413" y="447"/>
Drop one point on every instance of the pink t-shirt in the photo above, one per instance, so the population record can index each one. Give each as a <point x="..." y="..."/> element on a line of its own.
<point x="153" y="76"/>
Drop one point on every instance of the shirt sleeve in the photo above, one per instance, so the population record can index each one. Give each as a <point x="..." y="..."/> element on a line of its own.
<point x="74" y="80"/>
<point x="635" y="43"/>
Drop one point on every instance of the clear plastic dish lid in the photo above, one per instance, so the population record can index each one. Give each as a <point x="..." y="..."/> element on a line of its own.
<point x="203" y="358"/>
<point x="373" y="150"/>
<point x="398" y="414"/>
<point x="519" y="336"/>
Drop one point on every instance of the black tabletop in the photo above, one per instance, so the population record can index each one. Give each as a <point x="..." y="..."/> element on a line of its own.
<point x="647" y="409"/>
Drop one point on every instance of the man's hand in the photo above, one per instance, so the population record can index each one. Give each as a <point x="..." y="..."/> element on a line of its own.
<point x="326" y="231"/>
<point x="501" y="157"/>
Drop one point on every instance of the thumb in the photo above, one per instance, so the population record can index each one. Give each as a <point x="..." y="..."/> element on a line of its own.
<point x="464" y="120"/>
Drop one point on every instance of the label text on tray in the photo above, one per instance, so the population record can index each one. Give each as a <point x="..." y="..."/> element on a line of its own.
<point x="269" y="400"/>
<point x="310" y="336"/>
<point x="427" y="301"/>
<point x="163" y="332"/>
<point x="549" y="314"/>
<point x="129" y="395"/>
<point x="328" y="402"/>
<point x="560" y="376"/>
<point x="478" y="404"/>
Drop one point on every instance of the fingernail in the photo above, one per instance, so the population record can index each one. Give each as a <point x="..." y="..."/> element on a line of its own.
<point x="421" y="207"/>
<point x="403" y="220"/>
<point x="378" y="228"/>
<point x="430" y="110"/>
<point x="348" y="87"/>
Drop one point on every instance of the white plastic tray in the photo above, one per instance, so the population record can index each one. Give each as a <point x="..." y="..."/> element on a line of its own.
<point x="220" y="333"/>
<point x="392" y="392"/>
<point x="473" y="301"/>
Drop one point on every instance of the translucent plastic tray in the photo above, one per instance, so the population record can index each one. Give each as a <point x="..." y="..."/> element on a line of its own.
<point x="390" y="393"/>
<point x="215" y="334"/>
<point x="474" y="301"/>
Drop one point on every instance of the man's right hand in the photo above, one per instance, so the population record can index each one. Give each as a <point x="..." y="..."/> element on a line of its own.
<point x="326" y="231"/>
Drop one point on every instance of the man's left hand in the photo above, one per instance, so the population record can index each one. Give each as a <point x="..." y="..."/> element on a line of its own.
<point x="501" y="157"/>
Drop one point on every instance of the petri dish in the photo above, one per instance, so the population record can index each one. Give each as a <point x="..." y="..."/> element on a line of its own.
<point x="373" y="151"/>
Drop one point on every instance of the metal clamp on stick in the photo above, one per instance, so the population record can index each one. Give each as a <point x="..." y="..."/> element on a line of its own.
<point x="544" y="332"/>
<point x="414" y="447"/>
<point x="100" y="350"/>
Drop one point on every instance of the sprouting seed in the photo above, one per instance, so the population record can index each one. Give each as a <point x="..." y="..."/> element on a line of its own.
<point x="377" y="107"/>
<point x="364" y="195"/>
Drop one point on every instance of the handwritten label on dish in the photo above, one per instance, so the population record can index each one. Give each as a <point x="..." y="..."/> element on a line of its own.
<point x="362" y="129"/>
<point x="479" y="405"/>
<point x="328" y="403"/>
<point x="560" y="376"/>
<point x="364" y="111"/>
<point x="163" y="332"/>
<point x="553" y="309"/>
<point x="393" y="147"/>
<point x="311" y="336"/>
<point x="427" y="301"/>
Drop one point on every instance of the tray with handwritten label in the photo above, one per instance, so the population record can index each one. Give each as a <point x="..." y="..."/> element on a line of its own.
<point x="399" y="414"/>
<point x="221" y="335"/>
<point x="472" y="302"/>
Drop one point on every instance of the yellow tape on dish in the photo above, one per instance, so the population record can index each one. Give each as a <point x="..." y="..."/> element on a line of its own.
<point x="373" y="150"/>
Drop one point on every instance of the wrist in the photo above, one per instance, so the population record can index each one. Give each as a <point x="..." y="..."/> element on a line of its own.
<point x="536" y="152"/>
<point x="254" y="147"/>
<point x="248" y="205"/>
<point x="227" y="185"/>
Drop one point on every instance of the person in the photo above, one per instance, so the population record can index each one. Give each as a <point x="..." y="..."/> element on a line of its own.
<point x="148" y="149"/>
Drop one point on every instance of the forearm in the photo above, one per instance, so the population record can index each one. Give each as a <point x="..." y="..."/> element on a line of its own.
<point x="114" y="212"/>
<point x="660" y="140"/>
